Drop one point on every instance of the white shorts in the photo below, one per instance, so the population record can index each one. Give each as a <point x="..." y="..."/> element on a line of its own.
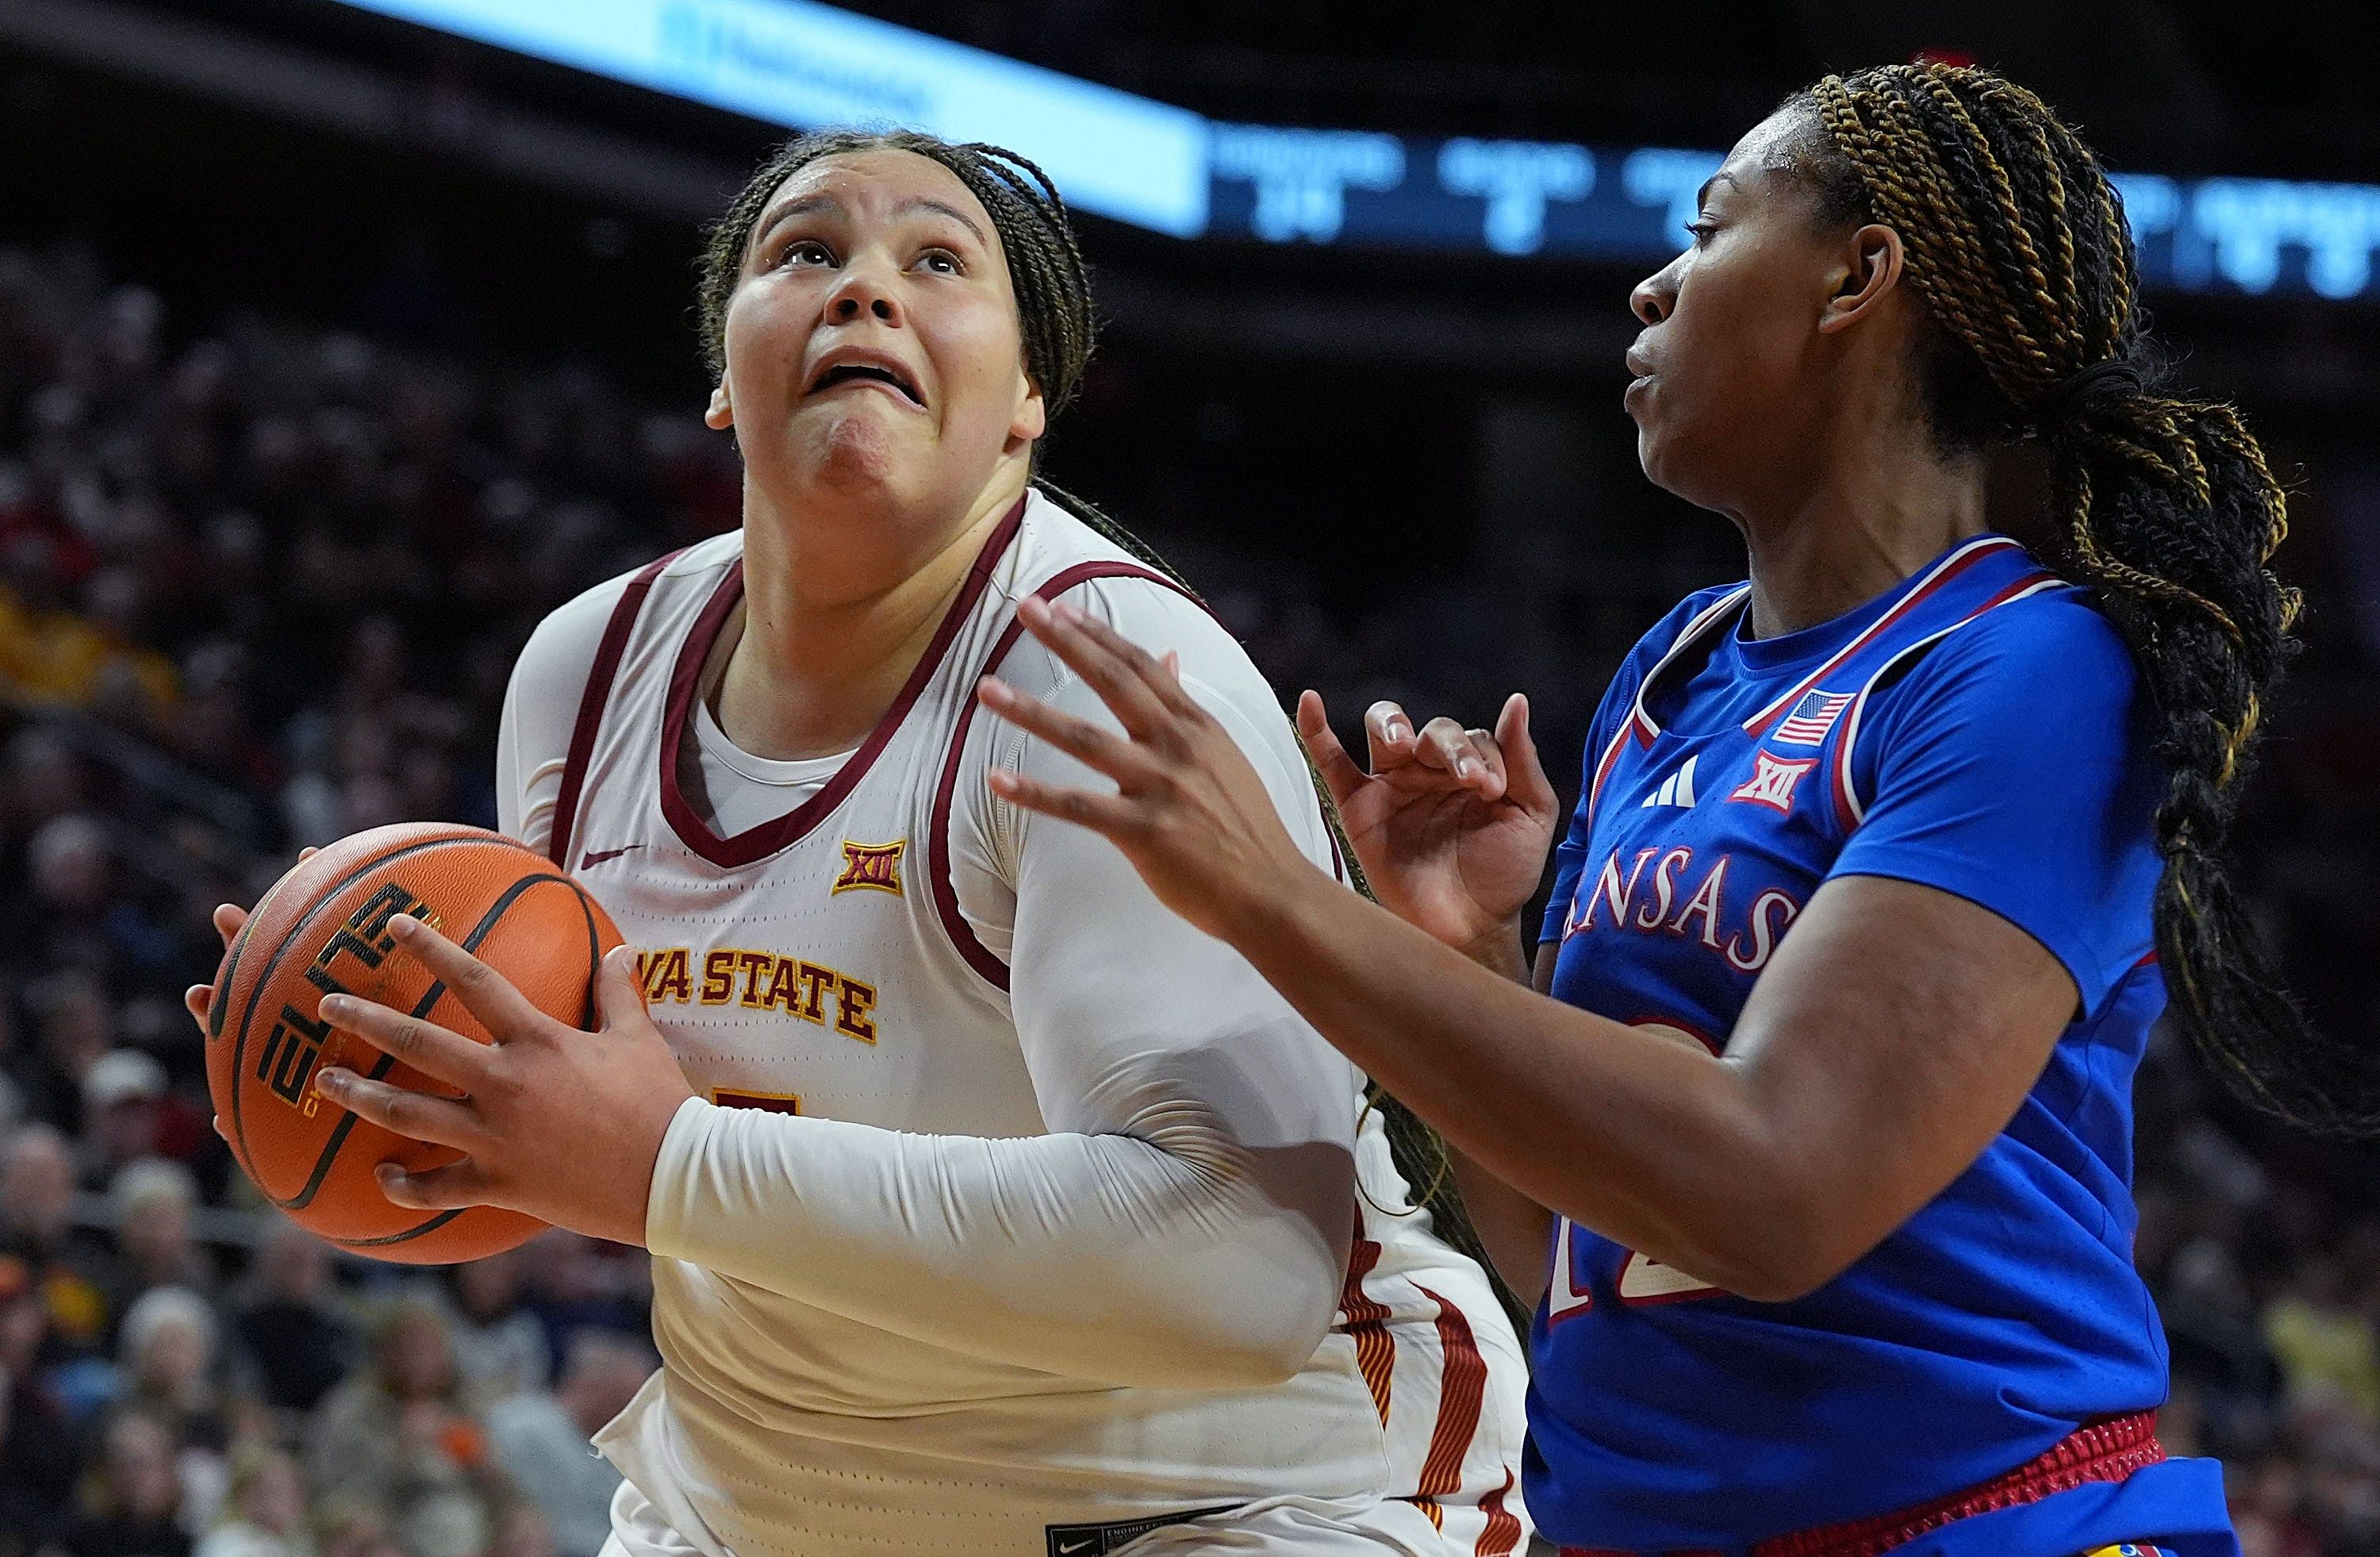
<point x="1274" y="1527"/>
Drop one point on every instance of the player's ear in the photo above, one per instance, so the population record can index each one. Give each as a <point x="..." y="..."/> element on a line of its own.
<point x="1866" y="270"/>
<point x="721" y="412"/>
<point x="1032" y="415"/>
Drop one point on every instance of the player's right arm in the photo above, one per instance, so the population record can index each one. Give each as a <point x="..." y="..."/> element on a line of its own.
<point x="1184" y="1222"/>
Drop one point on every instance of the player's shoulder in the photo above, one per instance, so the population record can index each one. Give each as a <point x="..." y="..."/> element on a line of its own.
<point x="2048" y="666"/>
<point x="2055" y="645"/>
<point x="1065" y="558"/>
<point x="564" y="643"/>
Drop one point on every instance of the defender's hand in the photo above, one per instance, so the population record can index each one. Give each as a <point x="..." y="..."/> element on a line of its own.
<point x="1451" y="825"/>
<point x="1190" y="812"/>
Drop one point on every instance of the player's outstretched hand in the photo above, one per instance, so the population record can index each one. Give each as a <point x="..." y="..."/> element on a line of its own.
<point x="1190" y="812"/>
<point x="563" y="1124"/>
<point x="1452" y="825"/>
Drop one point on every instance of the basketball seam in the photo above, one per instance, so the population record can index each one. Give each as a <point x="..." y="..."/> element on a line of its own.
<point x="255" y="995"/>
<point x="385" y="1062"/>
<point x="477" y="937"/>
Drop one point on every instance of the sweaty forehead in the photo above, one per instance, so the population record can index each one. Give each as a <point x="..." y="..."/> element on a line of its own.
<point x="877" y="181"/>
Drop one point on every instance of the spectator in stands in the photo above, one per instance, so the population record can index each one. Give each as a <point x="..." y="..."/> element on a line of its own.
<point x="123" y="1098"/>
<point x="166" y="1360"/>
<point x="36" y="1206"/>
<point x="498" y="1344"/>
<point x="347" y="1530"/>
<point x="38" y="1463"/>
<point x="2329" y="1356"/>
<point x="265" y="1514"/>
<point x="295" y="1337"/>
<point x="572" y="1285"/>
<point x="132" y="1505"/>
<point x="522" y="1530"/>
<point x="539" y="1439"/>
<point x="153" y="1201"/>
<point x="73" y="1027"/>
<point x="399" y="1440"/>
<point x="64" y="922"/>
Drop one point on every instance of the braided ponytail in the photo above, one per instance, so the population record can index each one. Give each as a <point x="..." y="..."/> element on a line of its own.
<point x="2016" y="243"/>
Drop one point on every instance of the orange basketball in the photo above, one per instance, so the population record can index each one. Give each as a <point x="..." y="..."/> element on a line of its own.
<point x="324" y="928"/>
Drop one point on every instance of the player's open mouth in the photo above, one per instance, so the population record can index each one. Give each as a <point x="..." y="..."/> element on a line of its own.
<point x="838" y="371"/>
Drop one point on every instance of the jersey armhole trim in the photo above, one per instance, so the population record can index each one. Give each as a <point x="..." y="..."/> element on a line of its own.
<point x="1849" y="809"/>
<point x="941" y="882"/>
<point x="599" y="676"/>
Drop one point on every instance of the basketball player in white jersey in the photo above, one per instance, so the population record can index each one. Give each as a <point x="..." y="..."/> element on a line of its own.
<point x="995" y="1210"/>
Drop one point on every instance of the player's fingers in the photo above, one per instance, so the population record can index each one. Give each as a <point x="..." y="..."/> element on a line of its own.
<point x="1109" y="815"/>
<point x="427" y="1047"/>
<point x="1485" y="772"/>
<point x="1088" y="743"/>
<point x="1447" y="747"/>
<point x="619" y="992"/>
<point x="1330" y="759"/>
<point x="1126" y="677"/>
<point x="227" y="919"/>
<point x="197" y="1000"/>
<point x="1389" y="731"/>
<point x="435" y="1189"/>
<point x="1525" y="771"/>
<point x="485" y="992"/>
<point x="415" y="1115"/>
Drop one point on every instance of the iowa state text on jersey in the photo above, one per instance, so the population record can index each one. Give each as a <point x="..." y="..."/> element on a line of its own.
<point x="761" y="981"/>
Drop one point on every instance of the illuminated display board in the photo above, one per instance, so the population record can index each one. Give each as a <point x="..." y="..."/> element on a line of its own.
<point x="1165" y="168"/>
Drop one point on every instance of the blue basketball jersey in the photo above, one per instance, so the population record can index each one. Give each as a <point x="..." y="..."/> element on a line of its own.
<point x="1976" y="730"/>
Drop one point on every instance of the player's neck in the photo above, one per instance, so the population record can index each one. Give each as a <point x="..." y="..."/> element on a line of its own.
<point x="835" y="617"/>
<point x="1864" y="523"/>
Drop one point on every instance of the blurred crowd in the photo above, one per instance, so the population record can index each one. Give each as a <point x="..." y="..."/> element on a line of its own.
<point x="262" y="584"/>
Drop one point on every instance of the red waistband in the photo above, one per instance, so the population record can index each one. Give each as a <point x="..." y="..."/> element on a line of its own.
<point x="2108" y="1451"/>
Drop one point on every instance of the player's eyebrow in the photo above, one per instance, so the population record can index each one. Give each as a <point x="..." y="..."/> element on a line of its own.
<point x="928" y="202"/>
<point x="810" y="204"/>
<point x="1702" y="196"/>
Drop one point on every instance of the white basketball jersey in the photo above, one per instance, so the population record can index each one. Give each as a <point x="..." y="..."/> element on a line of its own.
<point x="848" y="960"/>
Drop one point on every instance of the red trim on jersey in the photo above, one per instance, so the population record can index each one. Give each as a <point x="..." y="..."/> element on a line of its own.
<point x="1639" y="723"/>
<point x="2098" y="1452"/>
<point x="1462" y="1388"/>
<point x="938" y="842"/>
<point x="1849" y="812"/>
<point x="1502" y="1536"/>
<point x="600" y="675"/>
<point x="1949" y="568"/>
<point x="760" y="842"/>
<point x="1366" y="1321"/>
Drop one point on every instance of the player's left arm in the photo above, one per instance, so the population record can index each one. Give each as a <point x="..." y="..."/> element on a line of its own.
<point x="1894" y="1034"/>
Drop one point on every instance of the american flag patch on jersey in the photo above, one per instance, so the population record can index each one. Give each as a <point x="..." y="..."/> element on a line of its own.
<point x="1813" y="717"/>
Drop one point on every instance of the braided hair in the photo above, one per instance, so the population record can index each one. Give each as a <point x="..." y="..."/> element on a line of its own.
<point x="2015" y="243"/>
<point x="1054" y="315"/>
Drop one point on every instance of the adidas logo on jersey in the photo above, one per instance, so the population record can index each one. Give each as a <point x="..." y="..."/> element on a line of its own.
<point x="1678" y="789"/>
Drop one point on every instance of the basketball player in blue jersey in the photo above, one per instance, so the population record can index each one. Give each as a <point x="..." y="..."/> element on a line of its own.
<point x="1888" y="859"/>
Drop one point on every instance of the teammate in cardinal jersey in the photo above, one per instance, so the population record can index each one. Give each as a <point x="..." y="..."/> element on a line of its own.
<point x="1886" y="860"/>
<point x="994" y="1210"/>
